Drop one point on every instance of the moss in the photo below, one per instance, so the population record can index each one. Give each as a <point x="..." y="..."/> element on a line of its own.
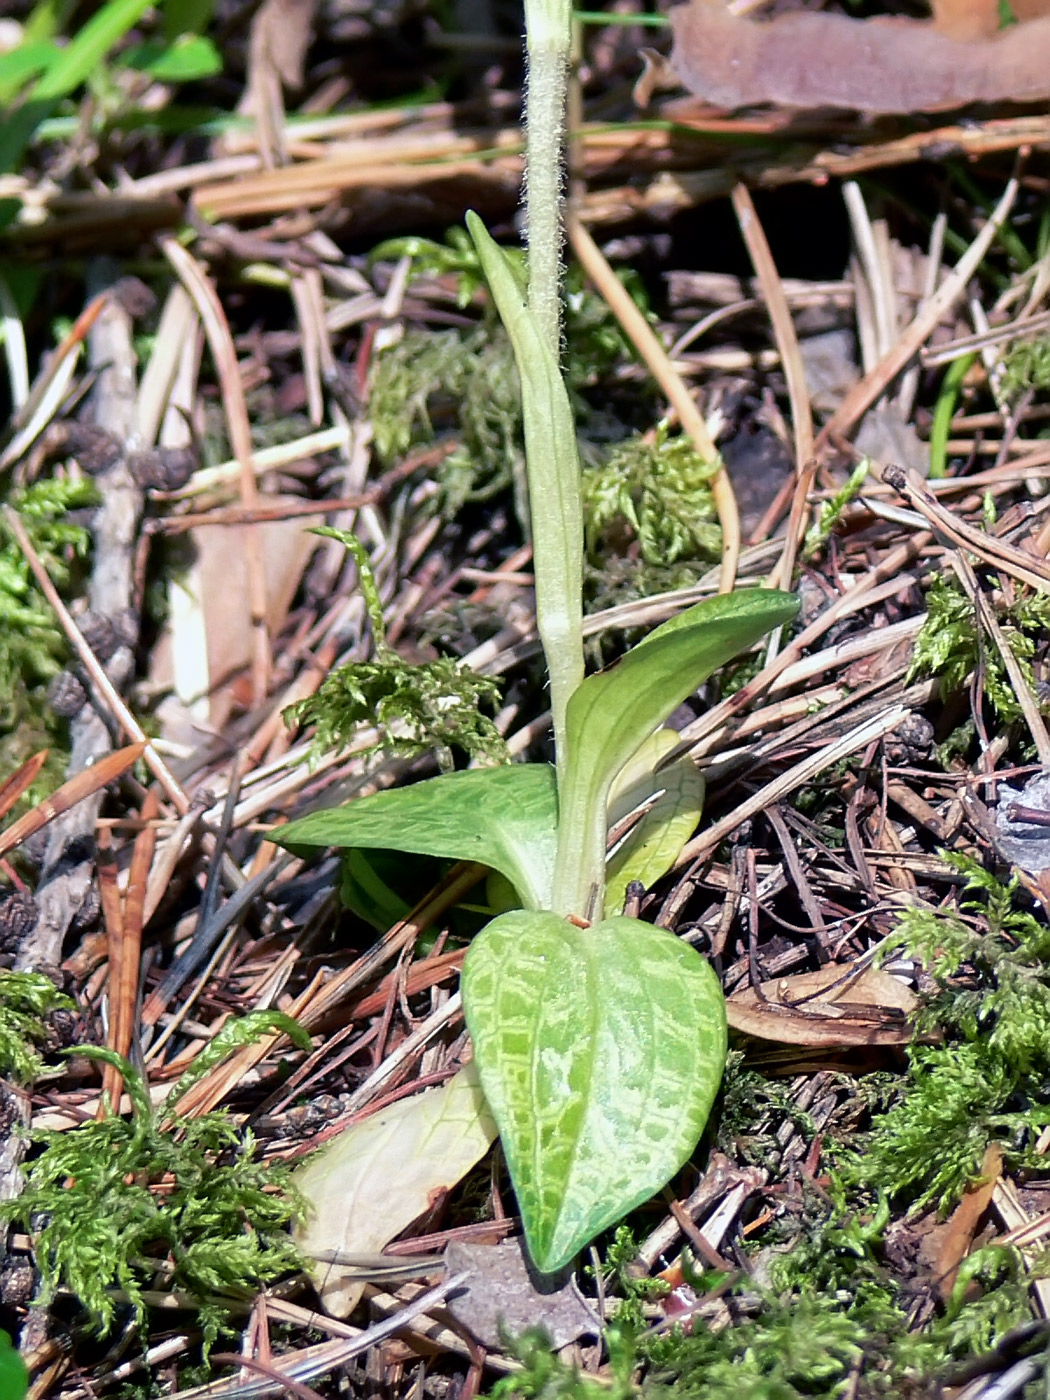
<point x="417" y="707"/>
<point x="658" y="493"/>
<point x="136" y="1203"/>
<point x="1026" y="366"/>
<point x="988" y="960"/>
<point x="26" y="998"/>
<point x="950" y="646"/>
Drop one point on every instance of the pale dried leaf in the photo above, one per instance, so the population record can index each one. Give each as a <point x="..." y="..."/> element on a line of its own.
<point x="381" y="1174"/>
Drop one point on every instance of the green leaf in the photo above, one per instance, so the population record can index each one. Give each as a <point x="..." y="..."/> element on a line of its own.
<point x="612" y="713"/>
<point x="86" y="50"/>
<point x="651" y="849"/>
<point x="23" y="63"/>
<point x="555" y="507"/>
<point x="600" y="1052"/>
<point x="505" y="818"/>
<point x="184" y="60"/>
<point x="14" y="1378"/>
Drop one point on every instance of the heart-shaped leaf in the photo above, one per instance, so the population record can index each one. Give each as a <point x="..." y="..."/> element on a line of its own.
<point x="600" y="1052"/>
<point x="505" y="818"/>
<point x="612" y="713"/>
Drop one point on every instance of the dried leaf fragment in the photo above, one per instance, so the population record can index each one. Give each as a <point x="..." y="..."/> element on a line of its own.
<point x="831" y="1008"/>
<point x="384" y="1172"/>
<point x="503" y="1294"/>
<point x="876" y="66"/>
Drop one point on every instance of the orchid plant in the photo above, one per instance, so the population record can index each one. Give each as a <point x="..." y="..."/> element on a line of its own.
<point x="599" y="1039"/>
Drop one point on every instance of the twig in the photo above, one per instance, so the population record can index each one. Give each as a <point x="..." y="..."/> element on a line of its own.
<point x="992" y="551"/>
<point x="98" y="676"/>
<point x="804" y="772"/>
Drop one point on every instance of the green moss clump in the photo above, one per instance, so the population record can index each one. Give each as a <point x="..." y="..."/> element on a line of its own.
<point x="136" y="1204"/>
<point x="949" y="646"/>
<point x="1026" y="365"/>
<point x="660" y="494"/>
<point x="990" y="961"/>
<point x="416" y="708"/>
<point x="26" y="998"/>
<point x="464" y="382"/>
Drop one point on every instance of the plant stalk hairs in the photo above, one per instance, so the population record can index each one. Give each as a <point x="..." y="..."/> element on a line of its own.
<point x="599" y="1040"/>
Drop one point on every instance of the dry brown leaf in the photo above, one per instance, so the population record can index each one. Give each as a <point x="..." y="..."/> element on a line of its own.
<point x="950" y="1243"/>
<point x="876" y="66"/>
<point x="832" y="1008"/>
<point x="208" y="639"/>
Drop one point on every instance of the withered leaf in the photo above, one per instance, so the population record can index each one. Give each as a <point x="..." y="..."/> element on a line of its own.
<point x="876" y="66"/>
<point x="831" y="1008"/>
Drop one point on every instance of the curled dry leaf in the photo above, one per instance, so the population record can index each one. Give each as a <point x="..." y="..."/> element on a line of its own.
<point x="834" y="1007"/>
<point x="876" y="66"/>
<point x="381" y="1174"/>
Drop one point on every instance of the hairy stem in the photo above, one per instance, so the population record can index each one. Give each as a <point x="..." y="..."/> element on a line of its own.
<point x="548" y="25"/>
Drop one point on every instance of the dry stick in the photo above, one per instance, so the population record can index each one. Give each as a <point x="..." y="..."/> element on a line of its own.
<point x="783" y="327"/>
<point x="20" y="780"/>
<point x="990" y="623"/>
<point x="75" y="789"/>
<point x="125" y="953"/>
<point x="320" y="996"/>
<point x="819" y="762"/>
<point x="67" y="880"/>
<point x="656" y="358"/>
<point x="863" y="395"/>
<point x="798" y="393"/>
<point x="98" y="677"/>
<point x="317" y="1360"/>
<point x="217" y="330"/>
<point x="49" y="387"/>
<point x="989" y="549"/>
<point x="857" y="597"/>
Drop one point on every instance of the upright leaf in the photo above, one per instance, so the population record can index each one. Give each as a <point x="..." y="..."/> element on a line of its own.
<point x="505" y="818"/>
<point x="612" y="713"/>
<point x="600" y="1052"/>
<point x="555" y="507"/>
<point x="652" y="847"/>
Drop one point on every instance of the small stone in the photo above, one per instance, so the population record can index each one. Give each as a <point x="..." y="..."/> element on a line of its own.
<point x="503" y="1293"/>
<point x="66" y="695"/>
<point x="94" y="449"/>
<point x="1021" y="840"/>
<point x="163" y="469"/>
<point x="18" y="918"/>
